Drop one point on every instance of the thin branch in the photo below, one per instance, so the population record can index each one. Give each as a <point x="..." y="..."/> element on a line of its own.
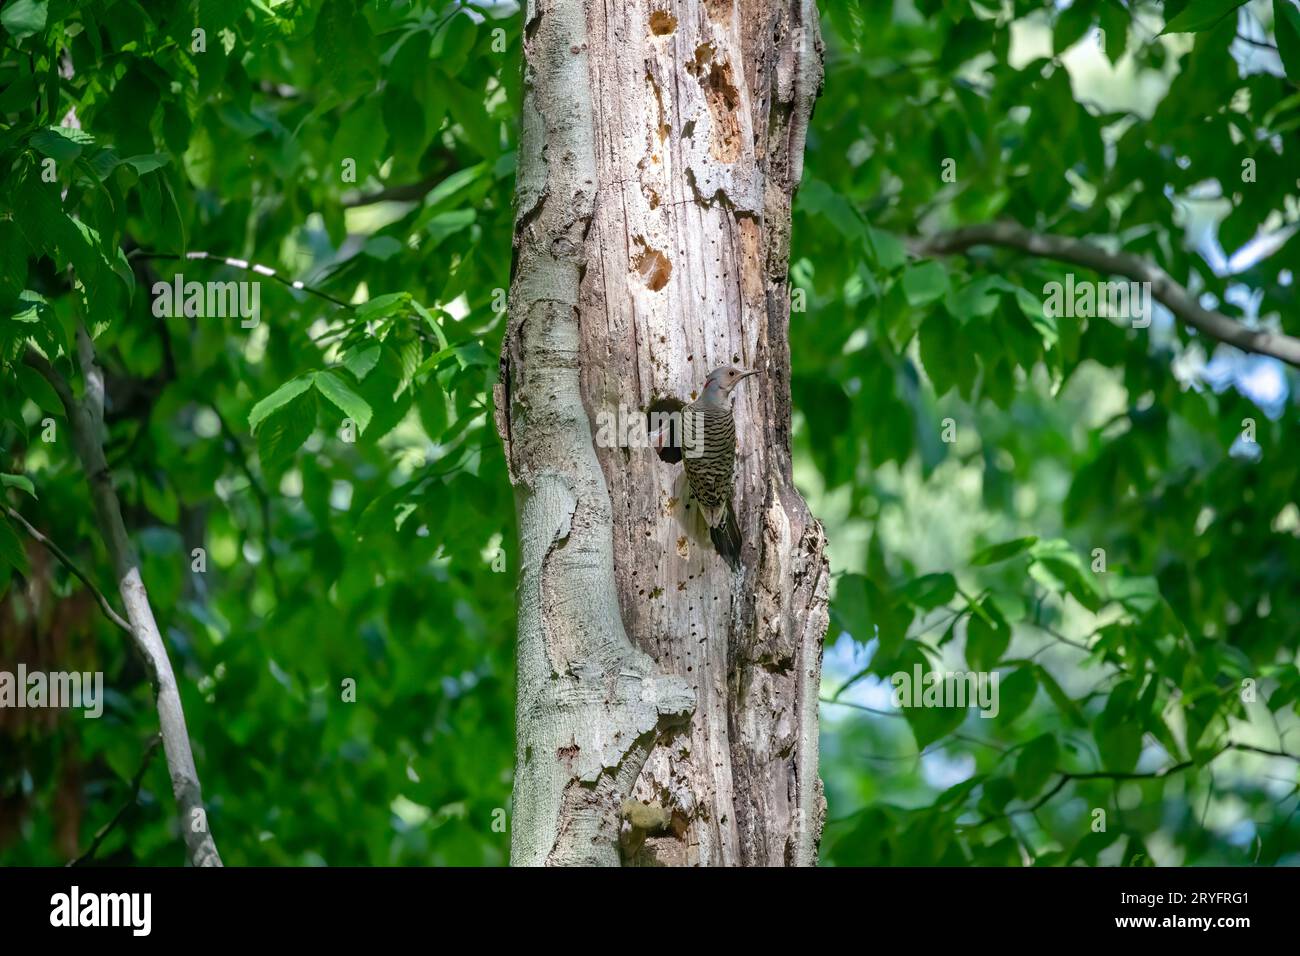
<point x="86" y="421"/>
<point x="1257" y="43"/>
<point x="835" y="697"/>
<point x="107" y="828"/>
<point x="39" y="362"/>
<point x="257" y="268"/>
<point x="1061" y="638"/>
<point x="1068" y="775"/>
<point x="1251" y="748"/>
<point x="1164" y="289"/>
<point x="254" y="267"/>
<point x="863" y="707"/>
<point x="67" y="562"/>
<point x="404" y="192"/>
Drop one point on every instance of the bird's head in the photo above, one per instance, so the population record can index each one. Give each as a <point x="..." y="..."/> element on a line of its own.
<point x="723" y="379"/>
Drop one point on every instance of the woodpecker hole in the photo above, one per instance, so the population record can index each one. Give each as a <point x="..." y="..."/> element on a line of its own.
<point x="653" y="265"/>
<point x="663" y="415"/>
<point x="662" y="23"/>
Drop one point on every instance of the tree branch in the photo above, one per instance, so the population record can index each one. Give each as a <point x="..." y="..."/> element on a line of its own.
<point x="1065" y="776"/>
<point x="58" y="552"/>
<point x="1257" y="43"/>
<point x="1164" y="289"/>
<point x="86" y="420"/>
<point x="403" y="192"/>
<point x="255" y="267"/>
<point x="107" y="828"/>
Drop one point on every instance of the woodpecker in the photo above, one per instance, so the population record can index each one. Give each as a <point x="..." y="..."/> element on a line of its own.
<point x="709" y="457"/>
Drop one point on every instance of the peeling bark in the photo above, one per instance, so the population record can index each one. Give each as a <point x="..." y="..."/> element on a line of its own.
<point x="660" y="147"/>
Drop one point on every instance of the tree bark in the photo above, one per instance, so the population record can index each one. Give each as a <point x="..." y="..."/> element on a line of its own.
<point x="660" y="147"/>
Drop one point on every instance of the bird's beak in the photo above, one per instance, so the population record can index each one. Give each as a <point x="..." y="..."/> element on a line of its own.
<point x="747" y="373"/>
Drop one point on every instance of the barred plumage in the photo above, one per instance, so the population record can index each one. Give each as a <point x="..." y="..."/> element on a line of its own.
<point x="709" y="454"/>
<point x="709" y="457"/>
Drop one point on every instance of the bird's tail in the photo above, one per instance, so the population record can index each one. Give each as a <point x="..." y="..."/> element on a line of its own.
<point x="726" y="537"/>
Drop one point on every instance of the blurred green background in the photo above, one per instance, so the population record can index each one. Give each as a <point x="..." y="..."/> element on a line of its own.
<point x="940" y="413"/>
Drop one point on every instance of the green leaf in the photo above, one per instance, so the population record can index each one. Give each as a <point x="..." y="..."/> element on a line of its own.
<point x="13" y="262"/>
<point x="160" y="499"/>
<point x="1115" y="27"/>
<point x="360" y="359"/>
<point x="1016" y="692"/>
<point x="35" y="387"/>
<point x="332" y="386"/>
<point x="147" y="162"/>
<point x="1119" y="744"/>
<point x="1000" y="552"/>
<point x="1071" y="24"/>
<point x="11" y="548"/>
<point x="23" y="18"/>
<point x="1064" y="703"/>
<point x="382" y="306"/>
<point x="1118" y="733"/>
<point x="946" y="360"/>
<point x="278" y="399"/>
<point x="382" y="248"/>
<point x="886" y="248"/>
<point x="978" y="297"/>
<point x="1201" y="15"/>
<point x="924" y="283"/>
<point x="1138" y="595"/>
<point x="818" y="197"/>
<point x="61" y="143"/>
<point x="285" y="429"/>
<point x="480" y="129"/>
<point x="928" y="723"/>
<point x="431" y="322"/>
<point x="865" y="612"/>
<point x="103" y="162"/>
<point x="1036" y="312"/>
<point x="454" y="184"/>
<point x="987" y="638"/>
<point x="1059" y="569"/>
<point x="929" y="591"/>
<point x="1093" y="843"/>
<point x="448" y="223"/>
<point x="1286" y="30"/>
<point x="998" y="792"/>
<point x="21" y="482"/>
<point x="1035" y="764"/>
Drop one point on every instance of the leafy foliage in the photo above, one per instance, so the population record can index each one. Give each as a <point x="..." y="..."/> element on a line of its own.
<point x="326" y="558"/>
<point x="1119" y="551"/>
<point x="337" y="465"/>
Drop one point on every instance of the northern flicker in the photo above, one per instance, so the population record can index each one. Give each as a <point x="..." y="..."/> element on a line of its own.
<point x="709" y="457"/>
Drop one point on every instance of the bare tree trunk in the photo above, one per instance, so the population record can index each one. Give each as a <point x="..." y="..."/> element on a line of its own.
<point x="661" y="145"/>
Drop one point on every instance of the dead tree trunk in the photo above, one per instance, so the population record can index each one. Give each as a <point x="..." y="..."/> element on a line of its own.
<point x="661" y="144"/>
